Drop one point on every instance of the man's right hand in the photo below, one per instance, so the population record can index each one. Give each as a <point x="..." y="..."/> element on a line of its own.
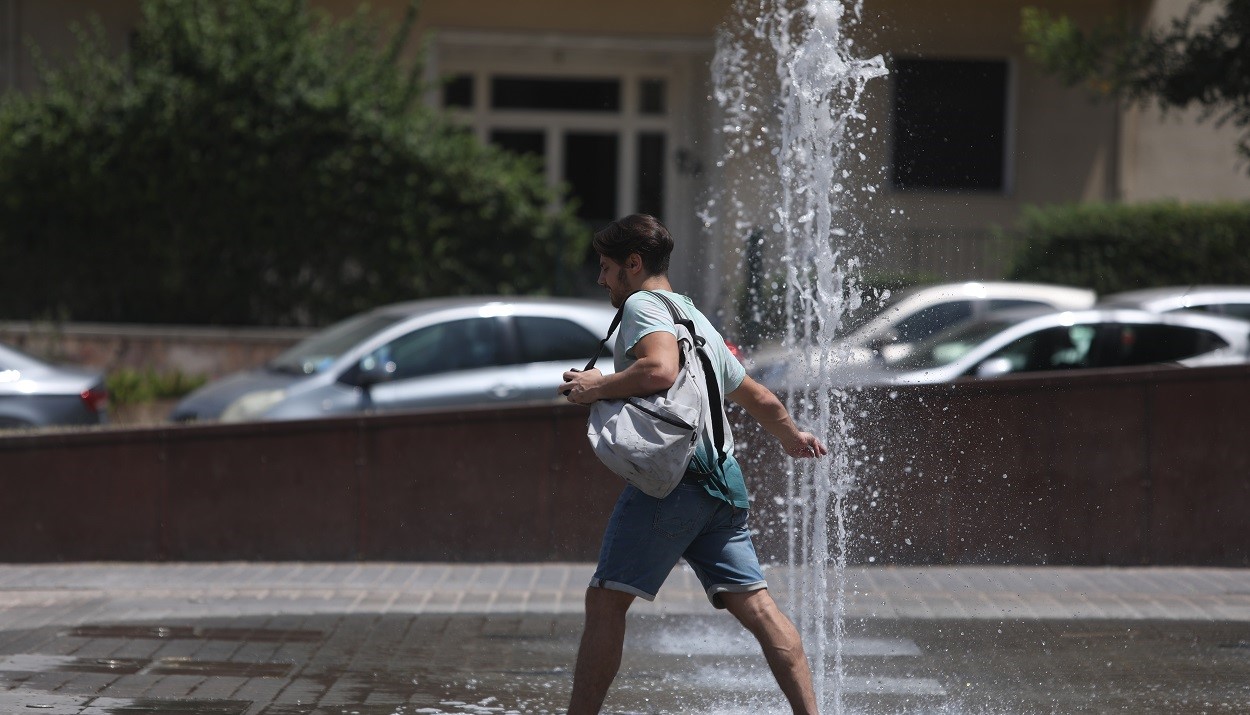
<point x="579" y="385"/>
<point x="806" y="445"/>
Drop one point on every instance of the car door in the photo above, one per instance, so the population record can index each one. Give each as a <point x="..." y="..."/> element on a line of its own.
<point x="547" y="347"/>
<point x="459" y="362"/>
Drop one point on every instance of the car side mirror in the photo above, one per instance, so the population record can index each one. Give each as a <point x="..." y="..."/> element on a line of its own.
<point x="994" y="367"/>
<point x="370" y="371"/>
<point x="887" y="337"/>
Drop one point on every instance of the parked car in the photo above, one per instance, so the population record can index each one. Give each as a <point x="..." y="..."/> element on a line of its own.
<point x="36" y="394"/>
<point x="1233" y="301"/>
<point x="442" y="352"/>
<point x="1018" y="341"/>
<point x="913" y="315"/>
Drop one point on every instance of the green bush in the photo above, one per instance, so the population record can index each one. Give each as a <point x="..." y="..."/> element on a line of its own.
<point x="130" y="387"/>
<point x="1117" y="247"/>
<point x="257" y="162"/>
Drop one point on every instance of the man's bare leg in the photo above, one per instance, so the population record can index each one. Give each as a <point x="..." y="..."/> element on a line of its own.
<point x="783" y="649"/>
<point x="599" y="655"/>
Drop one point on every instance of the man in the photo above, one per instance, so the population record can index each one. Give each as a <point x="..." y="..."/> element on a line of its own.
<point x="704" y="519"/>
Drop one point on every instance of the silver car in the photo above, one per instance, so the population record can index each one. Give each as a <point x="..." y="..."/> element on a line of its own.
<point x="910" y="316"/>
<point x="1013" y="342"/>
<point x="36" y="394"/>
<point x="1233" y="301"/>
<point x="443" y="352"/>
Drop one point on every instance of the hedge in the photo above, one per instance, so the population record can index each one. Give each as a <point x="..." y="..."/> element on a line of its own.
<point x="1118" y="247"/>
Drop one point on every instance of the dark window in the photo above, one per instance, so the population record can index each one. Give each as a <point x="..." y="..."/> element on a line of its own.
<point x="950" y="120"/>
<point x="928" y="321"/>
<point x="458" y="91"/>
<point x="458" y="345"/>
<point x="1127" y="345"/>
<point x="1008" y="304"/>
<point x="574" y="95"/>
<point x="651" y="174"/>
<point x="590" y="167"/>
<point x="521" y="142"/>
<point x="550" y="339"/>
<point x="1058" y="348"/>
<point x="652" y="99"/>
<point x="1237" y="310"/>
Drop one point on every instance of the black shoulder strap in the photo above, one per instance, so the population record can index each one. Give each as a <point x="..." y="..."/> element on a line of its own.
<point x="709" y="375"/>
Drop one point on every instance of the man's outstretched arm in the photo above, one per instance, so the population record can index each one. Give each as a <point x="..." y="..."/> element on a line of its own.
<point x="765" y="408"/>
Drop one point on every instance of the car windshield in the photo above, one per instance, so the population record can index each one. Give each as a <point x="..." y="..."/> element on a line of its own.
<point x="319" y="351"/>
<point x="949" y="345"/>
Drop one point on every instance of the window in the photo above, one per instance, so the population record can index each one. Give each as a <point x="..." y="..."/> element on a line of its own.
<point x="606" y="138"/>
<point x="1057" y="348"/>
<point x="551" y="339"/>
<point x="926" y="322"/>
<point x="1009" y="303"/>
<point x="457" y="345"/>
<point x="1125" y="345"/>
<point x="950" y="125"/>
<point x="570" y="95"/>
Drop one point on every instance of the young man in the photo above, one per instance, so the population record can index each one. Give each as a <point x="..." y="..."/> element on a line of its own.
<point x="704" y="519"/>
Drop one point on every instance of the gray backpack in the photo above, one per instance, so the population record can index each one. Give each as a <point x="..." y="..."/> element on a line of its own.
<point x="650" y="440"/>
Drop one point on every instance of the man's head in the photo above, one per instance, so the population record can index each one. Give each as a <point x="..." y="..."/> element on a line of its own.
<point x="636" y="233"/>
<point x="631" y="251"/>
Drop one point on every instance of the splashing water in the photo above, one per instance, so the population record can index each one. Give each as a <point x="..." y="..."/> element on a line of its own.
<point x="796" y="124"/>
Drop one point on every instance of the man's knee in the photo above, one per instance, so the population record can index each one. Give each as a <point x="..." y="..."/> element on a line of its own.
<point x="607" y="602"/>
<point x="753" y="607"/>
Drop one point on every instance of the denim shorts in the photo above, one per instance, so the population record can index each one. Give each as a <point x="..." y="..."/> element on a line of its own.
<point x="646" y="536"/>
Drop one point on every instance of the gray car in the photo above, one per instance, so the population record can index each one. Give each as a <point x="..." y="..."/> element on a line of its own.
<point x="36" y="394"/>
<point x="443" y="352"/>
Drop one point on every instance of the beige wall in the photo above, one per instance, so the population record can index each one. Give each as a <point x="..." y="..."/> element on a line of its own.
<point x="1175" y="155"/>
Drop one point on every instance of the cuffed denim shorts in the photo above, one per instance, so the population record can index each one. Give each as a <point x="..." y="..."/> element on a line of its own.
<point x="646" y="536"/>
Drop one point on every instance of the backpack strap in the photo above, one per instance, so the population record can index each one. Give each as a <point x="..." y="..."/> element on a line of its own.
<point x="709" y="375"/>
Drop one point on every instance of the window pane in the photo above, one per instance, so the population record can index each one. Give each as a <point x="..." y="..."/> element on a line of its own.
<point x="1148" y="344"/>
<point x="651" y="174"/>
<point x="574" y="95"/>
<point x="458" y="345"/>
<point x="458" y="91"/>
<point x="1009" y="303"/>
<point x="652" y="99"/>
<point x="549" y="339"/>
<point x="523" y="143"/>
<point x="928" y="321"/>
<point x="590" y="167"/>
<point x="950" y="124"/>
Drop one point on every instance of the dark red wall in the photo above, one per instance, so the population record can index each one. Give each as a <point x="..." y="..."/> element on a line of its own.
<point x="1102" y="468"/>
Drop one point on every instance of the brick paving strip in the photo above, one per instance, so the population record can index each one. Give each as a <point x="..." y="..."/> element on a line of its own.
<point x="129" y="591"/>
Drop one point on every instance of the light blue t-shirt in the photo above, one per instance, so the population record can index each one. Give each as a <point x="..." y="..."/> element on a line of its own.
<point x="645" y="314"/>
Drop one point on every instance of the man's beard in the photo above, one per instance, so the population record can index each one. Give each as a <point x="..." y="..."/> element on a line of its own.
<point x="622" y="279"/>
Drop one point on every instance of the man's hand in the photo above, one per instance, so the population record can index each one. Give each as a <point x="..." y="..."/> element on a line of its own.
<point x="804" y="445"/>
<point x="579" y="386"/>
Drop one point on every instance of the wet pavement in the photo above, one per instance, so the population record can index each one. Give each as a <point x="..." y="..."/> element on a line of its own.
<point x="374" y="639"/>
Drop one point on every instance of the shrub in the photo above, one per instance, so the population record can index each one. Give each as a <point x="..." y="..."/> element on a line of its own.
<point x="130" y="387"/>
<point x="1117" y="247"/>
<point x="256" y="162"/>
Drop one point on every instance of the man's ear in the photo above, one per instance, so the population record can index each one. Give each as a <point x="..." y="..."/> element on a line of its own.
<point x="633" y="262"/>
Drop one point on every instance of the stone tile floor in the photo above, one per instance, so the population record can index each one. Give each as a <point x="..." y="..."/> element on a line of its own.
<point x="373" y="639"/>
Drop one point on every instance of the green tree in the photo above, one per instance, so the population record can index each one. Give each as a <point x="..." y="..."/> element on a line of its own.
<point x="1199" y="59"/>
<point x="254" y="161"/>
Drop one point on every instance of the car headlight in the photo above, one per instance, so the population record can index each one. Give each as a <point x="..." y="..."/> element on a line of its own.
<point x="252" y="405"/>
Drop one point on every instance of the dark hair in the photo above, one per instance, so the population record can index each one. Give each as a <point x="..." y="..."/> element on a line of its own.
<point x="636" y="233"/>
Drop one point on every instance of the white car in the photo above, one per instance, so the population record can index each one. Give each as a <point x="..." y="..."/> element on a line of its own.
<point x="910" y="316"/>
<point x="1013" y="342"/>
<point x="1233" y="301"/>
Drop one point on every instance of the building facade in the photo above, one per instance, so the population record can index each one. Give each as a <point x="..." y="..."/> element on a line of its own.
<point x="614" y="98"/>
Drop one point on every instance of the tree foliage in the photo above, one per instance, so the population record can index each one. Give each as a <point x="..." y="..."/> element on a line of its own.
<point x="254" y="161"/>
<point x="1199" y="59"/>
